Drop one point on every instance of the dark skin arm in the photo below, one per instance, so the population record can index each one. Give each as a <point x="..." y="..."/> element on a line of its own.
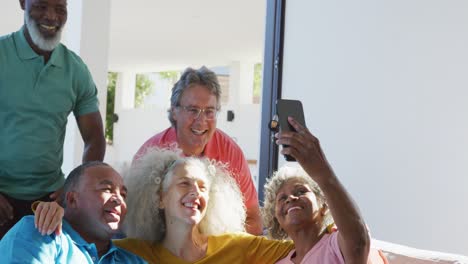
<point x="353" y="237"/>
<point x="92" y="132"/>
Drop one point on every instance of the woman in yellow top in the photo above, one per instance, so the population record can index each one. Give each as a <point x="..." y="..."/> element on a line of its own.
<point x="187" y="210"/>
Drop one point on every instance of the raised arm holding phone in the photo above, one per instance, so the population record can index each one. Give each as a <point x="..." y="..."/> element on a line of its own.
<point x="299" y="204"/>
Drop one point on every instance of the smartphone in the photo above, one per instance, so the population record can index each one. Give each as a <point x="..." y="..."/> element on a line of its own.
<point x="292" y="108"/>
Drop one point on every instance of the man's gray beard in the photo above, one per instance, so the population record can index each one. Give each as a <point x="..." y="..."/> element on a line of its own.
<point x="36" y="37"/>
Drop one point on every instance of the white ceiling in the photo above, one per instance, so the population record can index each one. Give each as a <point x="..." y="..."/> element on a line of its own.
<point x="151" y="35"/>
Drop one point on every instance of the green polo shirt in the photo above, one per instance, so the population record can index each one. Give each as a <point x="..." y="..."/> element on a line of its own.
<point x="35" y="101"/>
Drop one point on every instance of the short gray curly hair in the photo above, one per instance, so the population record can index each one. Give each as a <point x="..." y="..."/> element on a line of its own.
<point x="151" y="174"/>
<point x="271" y="189"/>
<point x="190" y="76"/>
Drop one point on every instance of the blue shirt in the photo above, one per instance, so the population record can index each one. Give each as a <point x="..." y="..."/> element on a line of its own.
<point x="24" y="244"/>
<point x="35" y="101"/>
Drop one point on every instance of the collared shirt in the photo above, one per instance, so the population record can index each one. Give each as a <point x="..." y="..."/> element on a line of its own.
<point x="24" y="244"/>
<point x="35" y="101"/>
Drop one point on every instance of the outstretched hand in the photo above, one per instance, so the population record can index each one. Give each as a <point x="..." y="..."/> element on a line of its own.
<point x="305" y="148"/>
<point x="48" y="218"/>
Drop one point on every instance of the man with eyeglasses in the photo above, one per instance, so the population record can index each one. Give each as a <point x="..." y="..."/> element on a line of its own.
<point x="195" y="102"/>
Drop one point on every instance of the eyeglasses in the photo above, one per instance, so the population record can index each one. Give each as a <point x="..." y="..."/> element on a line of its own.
<point x="194" y="112"/>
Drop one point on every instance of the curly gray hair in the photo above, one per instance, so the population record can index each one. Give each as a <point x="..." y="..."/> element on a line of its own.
<point x="151" y="174"/>
<point x="271" y="189"/>
<point x="190" y="76"/>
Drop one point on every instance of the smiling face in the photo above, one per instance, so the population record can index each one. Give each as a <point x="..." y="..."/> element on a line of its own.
<point x="99" y="201"/>
<point x="186" y="197"/>
<point x="194" y="133"/>
<point x="44" y="21"/>
<point x="296" y="205"/>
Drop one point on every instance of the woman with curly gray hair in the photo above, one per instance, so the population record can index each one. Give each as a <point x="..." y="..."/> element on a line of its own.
<point x="299" y="203"/>
<point x="150" y="179"/>
<point x="189" y="210"/>
<point x="272" y="187"/>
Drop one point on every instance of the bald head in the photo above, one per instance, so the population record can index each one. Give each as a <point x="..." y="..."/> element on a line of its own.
<point x="73" y="179"/>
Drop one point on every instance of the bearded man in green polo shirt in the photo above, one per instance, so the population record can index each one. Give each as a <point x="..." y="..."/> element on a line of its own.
<point x="41" y="83"/>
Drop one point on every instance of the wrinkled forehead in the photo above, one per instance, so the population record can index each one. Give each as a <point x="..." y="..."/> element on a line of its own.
<point x="196" y="92"/>
<point x="102" y="174"/>
<point x="292" y="183"/>
<point x="192" y="169"/>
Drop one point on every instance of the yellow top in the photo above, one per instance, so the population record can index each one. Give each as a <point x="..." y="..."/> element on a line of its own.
<point x="227" y="248"/>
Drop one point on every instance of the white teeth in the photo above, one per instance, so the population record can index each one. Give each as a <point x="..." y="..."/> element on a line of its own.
<point x="48" y="27"/>
<point x="294" y="208"/>
<point x="198" y="132"/>
<point x="191" y="205"/>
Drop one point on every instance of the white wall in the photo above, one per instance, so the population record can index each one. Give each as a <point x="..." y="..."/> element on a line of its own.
<point x="384" y="86"/>
<point x="11" y="17"/>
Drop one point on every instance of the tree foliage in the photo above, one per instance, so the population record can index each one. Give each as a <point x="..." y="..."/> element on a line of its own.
<point x="111" y="83"/>
<point x="144" y="87"/>
<point x="257" y="86"/>
<point x="170" y="75"/>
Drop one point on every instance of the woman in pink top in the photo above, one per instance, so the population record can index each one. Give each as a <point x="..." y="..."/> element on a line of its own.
<point x="301" y="202"/>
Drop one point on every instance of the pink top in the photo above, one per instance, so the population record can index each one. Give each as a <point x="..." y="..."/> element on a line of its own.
<point x="220" y="148"/>
<point x="326" y="251"/>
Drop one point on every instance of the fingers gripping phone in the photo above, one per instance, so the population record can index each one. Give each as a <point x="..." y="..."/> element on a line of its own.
<point x="292" y="108"/>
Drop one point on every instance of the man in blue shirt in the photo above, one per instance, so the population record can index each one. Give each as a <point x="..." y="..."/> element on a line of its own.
<point x="94" y="200"/>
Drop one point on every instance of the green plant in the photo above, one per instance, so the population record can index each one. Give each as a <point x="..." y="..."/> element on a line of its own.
<point x="143" y="87"/>
<point x="170" y="75"/>
<point x="111" y="83"/>
<point x="257" y="86"/>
